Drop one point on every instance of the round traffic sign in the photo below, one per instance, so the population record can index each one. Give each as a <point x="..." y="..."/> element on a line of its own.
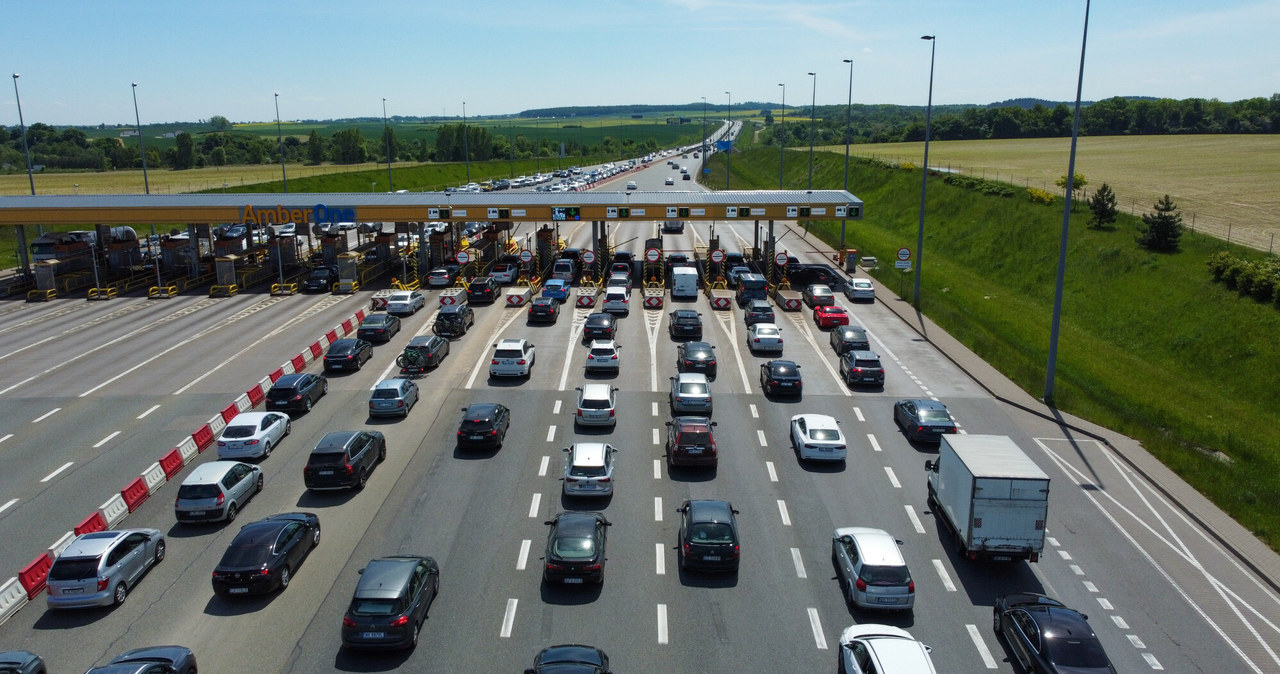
<point x="717" y="256"/>
<point x="526" y="255"/>
<point x="463" y="257"/>
<point x="780" y="259"/>
<point x="904" y="254"/>
<point x="653" y="255"/>
<point x="588" y="256"/>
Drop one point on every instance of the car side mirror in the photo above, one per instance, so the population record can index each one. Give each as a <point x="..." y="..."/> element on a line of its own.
<point x="735" y="511"/>
<point x="577" y="388"/>
<point x="361" y="571"/>
<point x="668" y="423"/>
<point x="549" y="522"/>
<point x="565" y="449"/>
<point x="462" y="409"/>
<point x="714" y="423"/>
<point x="930" y="466"/>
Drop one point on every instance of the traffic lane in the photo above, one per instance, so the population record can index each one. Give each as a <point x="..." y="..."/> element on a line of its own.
<point x="31" y="325"/>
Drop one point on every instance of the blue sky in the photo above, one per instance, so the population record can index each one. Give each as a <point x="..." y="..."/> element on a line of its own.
<point x="326" y="59"/>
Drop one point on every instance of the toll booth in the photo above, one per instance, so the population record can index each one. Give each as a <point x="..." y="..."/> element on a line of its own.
<point x="47" y="275"/>
<point x="348" y="267"/>
<point x="283" y="251"/>
<point x="331" y="247"/>
<point x="175" y="253"/>
<point x="383" y="242"/>
<point x="653" y="272"/>
<point x="851" y="260"/>
<point x="547" y="250"/>
<point x="224" y="268"/>
<point x="123" y="254"/>
<point x="714" y="270"/>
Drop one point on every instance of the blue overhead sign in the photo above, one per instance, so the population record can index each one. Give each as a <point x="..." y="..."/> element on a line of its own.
<point x="724" y="144"/>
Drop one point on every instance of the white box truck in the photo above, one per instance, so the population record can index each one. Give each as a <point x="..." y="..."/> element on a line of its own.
<point x="991" y="495"/>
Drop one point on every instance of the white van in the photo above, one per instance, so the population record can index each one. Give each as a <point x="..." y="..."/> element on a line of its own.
<point x="684" y="282"/>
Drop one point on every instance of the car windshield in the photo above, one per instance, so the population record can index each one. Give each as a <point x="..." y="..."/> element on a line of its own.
<point x="711" y="532"/>
<point x="574" y="548"/>
<point x="825" y="434"/>
<point x="885" y="575"/>
<point x="1083" y="653"/>
<point x="245" y="555"/>
<point x="239" y="432"/>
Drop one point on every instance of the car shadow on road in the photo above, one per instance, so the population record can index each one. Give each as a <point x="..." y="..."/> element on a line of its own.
<point x="707" y="579"/>
<point x="325" y="499"/>
<point x="68" y="619"/>
<point x="585" y="503"/>
<point x="691" y="473"/>
<point x="185" y="530"/>
<point x="570" y="595"/>
<point x="233" y="606"/>
<point x="347" y="660"/>
<point x="820" y="466"/>
<point x="474" y="453"/>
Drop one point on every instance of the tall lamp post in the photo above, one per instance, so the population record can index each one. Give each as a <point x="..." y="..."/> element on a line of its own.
<point x="728" y="152"/>
<point x="284" y="177"/>
<point x="466" y="147"/>
<point x="1066" y="219"/>
<point x="813" y="116"/>
<point x="704" y="128"/>
<point x="924" y="173"/>
<point x="386" y="133"/>
<point x="782" y="135"/>
<point x="25" y="150"/>
<point x="848" y="119"/>
<point x="146" y="184"/>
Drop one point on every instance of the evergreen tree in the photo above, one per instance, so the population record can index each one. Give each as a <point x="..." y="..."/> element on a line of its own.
<point x="1161" y="230"/>
<point x="315" y="148"/>
<point x="1103" y="207"/>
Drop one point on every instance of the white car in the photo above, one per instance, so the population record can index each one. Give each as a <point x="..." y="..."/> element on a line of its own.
<point x="670" y="180"/>
<point x="512" y="358"/>
<point x="883" y="649"/>
<point x="406" y="302"/>
<point x="764" y="337"/>
<point x="817" y="437"/>
<point x="860" y="289"/>
<point x="603" y="354"/>
<point x="439" y="277"/>
<point x="631" y="184"/>
<point x="252" y="435"/>
<point x="617" y="300"/>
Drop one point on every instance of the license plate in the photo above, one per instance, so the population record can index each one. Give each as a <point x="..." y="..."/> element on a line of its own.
<point x="326" y="472"/>
<point x="373" y="635"/>
<point x="694" y="450"/>
<point x="72" y="590"/>
<point x="238" y="590"/>
<point x="576" y="581"/>
<point x="336" y="366"/>
<point x="589" y="485"/>
<point x="476" y="437"/>
<point x="825" y="449"/>
<point x="887" y="600"/>
<point x="786" y="384"/>
<point x="711" y="558"/>
<point x="1001" y="558"/>
<point x="195" y="513"/>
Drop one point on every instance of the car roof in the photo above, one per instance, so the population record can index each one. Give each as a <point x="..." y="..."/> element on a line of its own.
<point x="253" y="418"/>
<point x="94" y="544"/>
<point x="588" y="454"/>
<point x="386" y="577"/>
<point x="425" y="340"/>
<point x="757" y="304"/>
<point x="596" y="391"/>
<point x="845" y="329"/>
<point x="685" y="313"/>
<point x="600" y="317"/>
<point x="404" y="295"/>
<point x="925" y="404"/>
<point x="864" y="355"/>
<point x="577" y="523"/>
<point x="480" y="411"/>
<point x="453" y="308"/>
<point x="208" y="473"/>
<point x="289" y="380"/>
<point x="545" y="300"/>
<point x="377" y="317"/>
<point x="511" y="344"/>
<point x="335" y="440"/>
<point x="603" y="344"/>
<point x="707" y="510"/>
<point x="878" y="548"/>
<point x="783" y="365"/>
<point x="392" y="384"/>
<point x="691" y="378"/>
<point x="261" y="532"/>
<point x="817" y="421"/>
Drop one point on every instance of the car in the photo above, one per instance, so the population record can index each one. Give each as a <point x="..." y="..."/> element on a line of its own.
<point x="691" y="442"/>
<point x="565" y="269"/>
<point x="684" y="170"/>
<point x="505" y="272"/>
<point x="764" y="337"/>
<point x="512" y="358"/>
<point x="845" y="338"/>
<point x="672" y="226"/>
<point x="882" y="649"/>
<point x="264" y="555"/>
<point x="685" y="323"/>
<point x="800" y="275"/>
<point x="623" y="263"/>
<point x="21" y="662"/>
<point x="482" y="289"/>
<point x="588" y="469"/>
<point x="599" y="325"/>
<point x="99" y="568"/>
<point x="686" y="176"/>
<point x="406" y="302"/>
<point x="430" y="351"/>
<point x="1044" y="635"/>
<point x="758" y="311"/>
<point x="453" y="320"/>
<point x="390" y="602"/>
<point x="443" y="276"/>
<point x="603" y="355"/>
<point x="923" y="420"/>
<point x="631" y="184"/>
<point x="556" y="289"/>
<point x="781" y="376"/>
<point x="597" y="405"/>
<point x="378" y="327"/>
<point x="871" y="570"/>
<point x="393" y="398"/>
<point x="690" y="392"/>
<point x="543" y="309"/>
<point x="345" y="227"/>
<point x="321" y="279"/>
<point x="830" y="316"/>
<point x="670" y="180"/>
<point x="616" y="300"/>
<point x="868" y="262"/>
<point x="252" y="435"/>
<point x="570" y="659"/>
<point x="731" y="276"/>
<point x="575" y="548"/>
<point x="148" y="660"/>
<point x="618" y="280"/>
<point x="860" y="289"/>
<point x="347" y="354"/>
<point x="296" y="392"/>
<point x="861" y="367"/>
<point x="818" y="295"/>
<point x="344" y="460"/>
<point x="216" y="491"/>
<point x="708" y="536"/>
<point x="696" y="357"/>
<point x="483" y="425"/>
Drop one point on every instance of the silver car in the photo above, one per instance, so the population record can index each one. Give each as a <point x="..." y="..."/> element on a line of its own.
<point x="393" y="398"/>
<point x="253" y="435"/>
<point x="406" y="302"/>
<point x="871" y="569"/>
<point x="588" y="469"/>
<point x="690" y="392"/>
<point x="764" y="337"/>
<point x="216" y="491"/>
<point x="99" y="568"/>
<point x="597" y="405"/>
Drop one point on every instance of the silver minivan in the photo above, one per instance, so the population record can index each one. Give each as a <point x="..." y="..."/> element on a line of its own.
<point x="588" y="469"/>
<point x="99" y="568"/>
<point x="871" y="569"/>
<point x="564" y="270"/>
<point x="216" y="491"/>
<point x="691" y="392"/>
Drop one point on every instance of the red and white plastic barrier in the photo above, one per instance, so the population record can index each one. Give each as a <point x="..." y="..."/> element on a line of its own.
<point x="721" y="303"/>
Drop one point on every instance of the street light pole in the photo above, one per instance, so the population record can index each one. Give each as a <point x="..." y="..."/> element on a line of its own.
<point x="466" y="147"/>
<point x="782" y="135"/>
<point x="25" y="150"/>
<point x="813" y="116"/>
<point x="848" y="119"/>
<point x="280" y="141"/>
<point x="704" y="129"/>
<point x="924" y="173"/>
<point x="386" y="133"/>
<point x="728" y="153"/>
<point x="146" y="184"/>
<point x="1066" y="219"/>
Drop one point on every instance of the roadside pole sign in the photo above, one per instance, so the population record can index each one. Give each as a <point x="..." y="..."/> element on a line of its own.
<point x="526" y="256"/>
<point x="717" y="256"/>
<point x="463" y="257"/>
<point x="588" y="256"/>
<point x="780" y="259"/>
<point x="904" y="259"/>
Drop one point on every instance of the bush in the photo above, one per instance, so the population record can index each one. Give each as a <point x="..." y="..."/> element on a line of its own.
<point x="1040" y="196"/>
<point x="1231" y="275"/>
<point x="1218" y="263"/>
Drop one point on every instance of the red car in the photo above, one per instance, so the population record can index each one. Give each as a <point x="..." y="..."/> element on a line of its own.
<point x="830" y="316"/>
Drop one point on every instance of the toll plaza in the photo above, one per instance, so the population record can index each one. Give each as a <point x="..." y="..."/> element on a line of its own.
<point x="227" y="244"/>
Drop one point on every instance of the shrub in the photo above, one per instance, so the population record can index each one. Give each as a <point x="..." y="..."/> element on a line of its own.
<point x="1218" y="263"/>
<point x="1040" y="196"/>
<point x="907" y="166"/>
<point x="1231" y="275"/>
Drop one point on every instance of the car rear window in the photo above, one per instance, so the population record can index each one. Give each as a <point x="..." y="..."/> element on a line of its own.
<point x="326" y="458"/>
<point x="602" y="351"/>
<point x="826" y="434"/>
<point x="278" y="393"/>
<point x="885" y="575"/>
<point x="711" y="532"/>
<point x="238" y="431"/>
<point x="76" y="568"/>
<point x="594" y="404"/>
<point x="507" y="353"/>
<point x="690" y="438"/>
<point x="244" y="555"/>
<point x="934" y="415"/>
<point x="476" y="424"/>
<point x="867" y="363"/>
<point x="574" y="548"/>
<point x="375" y="607"/>
<point x="693" y="389"/>
<point x="386" y="393"/>
<point x="587" y="471"/>
<point x="198" y="491"/>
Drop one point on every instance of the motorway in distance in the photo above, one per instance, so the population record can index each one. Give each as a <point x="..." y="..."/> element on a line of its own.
<point x="95" y="392"/>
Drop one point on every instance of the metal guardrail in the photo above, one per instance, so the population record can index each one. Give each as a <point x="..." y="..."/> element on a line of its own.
<point x="162" y="292"/>
<point x="41" y="295"/>
<point x="223" y="290"/>
<point x="109" y="292"/>
<point x="284" y="288"/>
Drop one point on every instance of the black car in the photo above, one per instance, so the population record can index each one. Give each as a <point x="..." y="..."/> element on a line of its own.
<point x="482" y="289"/>
<point x="543" y="309"/>
<point x="813" y="274"/>
<point x="861" y="367"/>
<point x="685" y="323"/>
<point x="454" y="320"/>
<point x="320" y="280"/>
<point x="758" y="311"/>
<point x="148" y="660"/>
<point x="428" y="351"/>
<point x="25" y="662"/>
<point x="696" y="357"/>
<point x="483" y="425"/>
<point x="1046" y="636"/>
<point x="708" y="536"/>
<point x="378" y="327"/>
<point x="344" y="460"/>
<point x="296" y="392"/>
<point x="570" y="659"/>
<point x="599" y="325"/>
<point x="347" y="354"/>
<point x="391" y="602"/>
<point x="781" y="376"/>
<point x="849" y="338"/>
<point x="923" y="420"/>
<point x="575" y="548"/>
<point x="266" y="554"/>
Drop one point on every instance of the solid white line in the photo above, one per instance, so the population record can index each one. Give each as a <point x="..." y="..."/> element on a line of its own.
<point x="508" y="619"/>
<point x="981" y="645"/>
<point x="915" y="520"/>
<point x="782" y="509"/>
<point x="657" y="509"/>
<point x="754" y="414"/>
<point x="857" y="412"/>
<point x="662" y="623"/>
<point x="524" y="554"/>
<point x="874" y="445"/>
<point x="54" y="474"/>
<point x="819" y="639"/>
<point x="893" y="479"/>
<point x="661" y="559"/>
<point x="773" y="474"/>
<point x="46" y="415"/>
<point x="542" y="466"/>
<point x="795" y="559"/>
<point x="7" y="505"/>
<point x="556" y="409"/>
<point x="6" y="437"/>
<point x="1152" y="661"/>
<point x="655" y="409"/>
<point x="533" y="507"/>
<point x="144" y="414"/>
<point x="106" y="440"/>
<point x="760" y="435"/>
<point x="551" y="432"/>
<point x="657" y="469"/>
<point x="655" y="436"/>
<point x="946" y="577"/>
